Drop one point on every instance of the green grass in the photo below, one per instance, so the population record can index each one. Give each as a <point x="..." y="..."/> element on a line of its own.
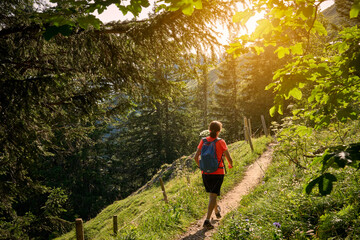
<point x="146" y="216"/>
<point x="280" y="200"/>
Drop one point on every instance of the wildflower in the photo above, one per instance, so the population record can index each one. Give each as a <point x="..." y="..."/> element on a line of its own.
<point x="265" y="192"/>
<point x="246" y="219"/>
<point x="276" y="224"/>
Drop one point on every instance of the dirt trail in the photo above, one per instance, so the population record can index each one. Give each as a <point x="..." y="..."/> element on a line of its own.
<point x="230" y="201"/>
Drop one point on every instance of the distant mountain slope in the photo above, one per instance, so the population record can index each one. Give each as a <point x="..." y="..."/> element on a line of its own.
<point x="332" y="15"/>
<point x="338" y="14"/>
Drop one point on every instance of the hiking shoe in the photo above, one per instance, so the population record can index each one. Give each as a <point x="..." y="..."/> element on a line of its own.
<point x="208" y="225"/>
<point x="218" y="214"/>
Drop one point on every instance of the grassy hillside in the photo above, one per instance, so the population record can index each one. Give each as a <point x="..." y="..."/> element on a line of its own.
<point x="279" y="208"/>
<point x="146" y="216"/>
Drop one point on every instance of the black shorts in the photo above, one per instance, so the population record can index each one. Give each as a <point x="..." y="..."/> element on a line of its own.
<point x="213" y="182"/>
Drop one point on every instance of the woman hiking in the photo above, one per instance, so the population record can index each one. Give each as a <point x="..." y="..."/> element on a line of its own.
<point x="213" y="180"/>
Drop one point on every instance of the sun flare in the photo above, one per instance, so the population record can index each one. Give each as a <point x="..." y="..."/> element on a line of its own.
<point x="226" y="35"/>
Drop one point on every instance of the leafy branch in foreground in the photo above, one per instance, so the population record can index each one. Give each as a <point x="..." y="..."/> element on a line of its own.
<point x="334" y="157"/>
<point x="322" y="75"/>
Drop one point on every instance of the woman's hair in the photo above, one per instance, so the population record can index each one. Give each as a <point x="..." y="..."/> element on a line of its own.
<point x="214" y="127"/>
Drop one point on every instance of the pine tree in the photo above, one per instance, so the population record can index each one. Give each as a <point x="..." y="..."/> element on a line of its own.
<point x="155" y="133"/>
<point x="226" y="105"/>
<point x="257" y="101"/>
<point x="200" y="87"/>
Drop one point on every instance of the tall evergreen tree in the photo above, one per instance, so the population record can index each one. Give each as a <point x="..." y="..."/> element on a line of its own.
<point x="201" y="87"/>
<point x="155" y="133"/>
<point x="226" y="106"/>
<point x="255" y="100"/>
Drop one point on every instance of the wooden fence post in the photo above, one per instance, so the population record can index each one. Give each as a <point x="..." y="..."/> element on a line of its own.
<point x="115" y="224"/>
<point x="248" y="134"/>
<point x="264" y="125"/>
<point x="163" y="189"/>
<point x="245" y="130"/>
<point x="79" y="229"/>
<point x="249" y="126"/>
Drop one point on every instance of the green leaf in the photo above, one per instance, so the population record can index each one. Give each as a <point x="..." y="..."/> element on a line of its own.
<point x="325" y="98"/>
<point x="258" y="50"/>
<point x="309" y="187"/>
<point x="145" y="3"/>
<point x="324" y="121"/>
<point x="135" y="7"/>
<point x="327" y="161"/>
<point x="296" y="93"/>
<point x="296" y="111"/>
<point x="355" y="9"/>
<point x="344" y="114"/>
<point x="272" y="111"/>
<point x="308" y="11"/>
<point x="242" y="17"/>
<point x="316" y="160"/>
<point x="319" y="28"/>
<point x="326" y="184"/>
<point x="198" y="4"/>
<point x="123" y="9"/>
<point x="270" y="85"/>
<point x="187" y="6"/>
<point x="342" y="47"/>
<point x="304" y="131"/>
<point x="275" y="22"/>
<point x="297" y="49"/>
<point x="59" y="20"/>
<point x="281" y="51"/>
<point x="264" y="27"/>
<point x="90" y="20"/>
<point x="187" y="9"/>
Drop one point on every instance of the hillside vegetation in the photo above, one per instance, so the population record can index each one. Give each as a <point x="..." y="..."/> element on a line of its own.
<point x="280" y="208"/>
<point x="146" y="216"/>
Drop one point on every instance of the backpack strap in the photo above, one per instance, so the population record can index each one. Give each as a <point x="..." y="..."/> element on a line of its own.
<point x="222" y="159"/>
<point x="206" y="141"/>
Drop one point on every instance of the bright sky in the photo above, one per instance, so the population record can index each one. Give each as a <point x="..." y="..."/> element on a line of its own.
<point x="112" y="13"/>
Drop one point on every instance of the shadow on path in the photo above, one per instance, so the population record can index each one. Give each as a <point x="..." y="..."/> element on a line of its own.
<point x="202" y="233"/>
<point x="198" y="235"/>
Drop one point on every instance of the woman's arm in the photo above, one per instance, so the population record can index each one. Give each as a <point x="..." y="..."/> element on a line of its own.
<point x="197" y="155"/>
<point x="228" y="157"/>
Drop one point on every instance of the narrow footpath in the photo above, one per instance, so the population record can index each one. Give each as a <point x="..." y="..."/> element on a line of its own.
<point x="231" y="200"/>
